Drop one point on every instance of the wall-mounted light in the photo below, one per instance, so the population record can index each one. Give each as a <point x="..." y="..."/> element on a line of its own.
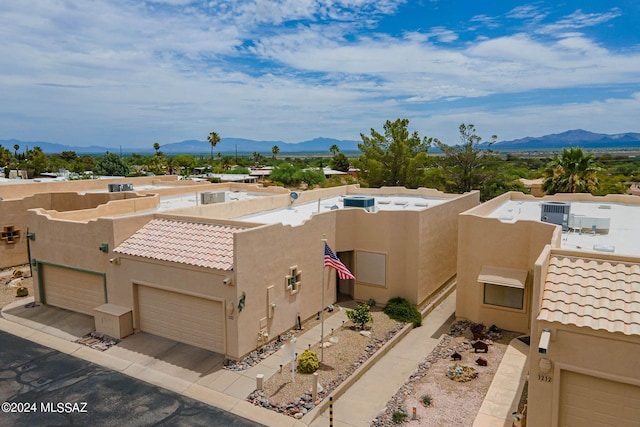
<point x="31" y="236"/>
<point x="545" y="365"/>
<point x="104" y="247"/>
<point x="544" y="341"/>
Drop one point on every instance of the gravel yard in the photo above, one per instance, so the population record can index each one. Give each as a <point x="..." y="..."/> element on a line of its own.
<point x="348" y="350"/>
<point x="8" y="285"/>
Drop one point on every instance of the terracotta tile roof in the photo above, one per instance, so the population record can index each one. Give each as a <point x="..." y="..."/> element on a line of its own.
<point x="593" y="293"/>
<point x="204" y="245"/>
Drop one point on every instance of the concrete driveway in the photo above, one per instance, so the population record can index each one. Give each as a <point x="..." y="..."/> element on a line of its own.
<point x="44" y="378"/>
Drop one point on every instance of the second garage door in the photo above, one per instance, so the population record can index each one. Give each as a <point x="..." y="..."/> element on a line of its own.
<point x="587" y="401"/>
<point x="183" y="318"/>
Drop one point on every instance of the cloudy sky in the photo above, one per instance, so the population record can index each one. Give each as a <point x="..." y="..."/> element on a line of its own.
<point x="130" y="72"/>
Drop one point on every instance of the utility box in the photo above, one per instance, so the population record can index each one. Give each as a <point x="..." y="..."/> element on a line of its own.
<point x="556" y="213"/>
<point x="113" y="320"/>
<point x="212" y="197"/>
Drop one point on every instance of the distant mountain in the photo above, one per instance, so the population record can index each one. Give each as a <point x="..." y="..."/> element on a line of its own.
<point x="554" y="142"/>
<point x="226" y="146"/>
<point x="572" y="138"/>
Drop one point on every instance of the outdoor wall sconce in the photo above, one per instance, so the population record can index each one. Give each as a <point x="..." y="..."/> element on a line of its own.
<point x="31" y="236"/>
<point x="104" y="247"/>
<point x="544" y="341"/>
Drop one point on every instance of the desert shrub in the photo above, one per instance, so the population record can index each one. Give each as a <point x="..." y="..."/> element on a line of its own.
<point x="426" y="400"/>
<point x="308" y="362"/>
<point x="398" y="417"/>
<point x="360" y="315"/>
<point x="403" y="310"/>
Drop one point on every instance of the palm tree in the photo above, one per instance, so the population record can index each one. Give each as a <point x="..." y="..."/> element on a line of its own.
<point x="275" y="150"/>
<point x="334" y="149"/>
<point x="156" y="147"/>
<point x="15" y="147"/>
<point x="572" y="172"/>
<point x="213" y="139"/>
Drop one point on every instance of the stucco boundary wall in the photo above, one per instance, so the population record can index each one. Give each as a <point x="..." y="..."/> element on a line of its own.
<point x="344" y="386"/>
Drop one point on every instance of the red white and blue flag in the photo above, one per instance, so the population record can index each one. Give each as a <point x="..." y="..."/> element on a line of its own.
<point x="331" y="260"/>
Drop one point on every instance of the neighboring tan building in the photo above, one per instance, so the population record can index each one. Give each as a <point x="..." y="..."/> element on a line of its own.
<point x="229" y="267"/>
<point x="564" y="269"/>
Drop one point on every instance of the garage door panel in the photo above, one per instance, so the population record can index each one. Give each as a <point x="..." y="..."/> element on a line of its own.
<point x="184" y="318"/>
<point x="588" y="401"/>
<point x="73" y="290"/>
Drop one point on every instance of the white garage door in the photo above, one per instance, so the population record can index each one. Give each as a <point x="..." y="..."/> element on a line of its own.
<point x="587" y="401"/>
<point x="183" y="318"/>
<point x="71" y="289"/>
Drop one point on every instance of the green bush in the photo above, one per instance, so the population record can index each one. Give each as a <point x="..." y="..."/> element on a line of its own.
<point x="403" y="310"/>
<point x="308" y="362"/>
<point x="426" y="400"/>
<point x="398" y="417"/>
<point x="360" y="315"/>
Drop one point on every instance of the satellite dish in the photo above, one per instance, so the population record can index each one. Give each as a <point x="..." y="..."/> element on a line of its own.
<point x="294" y="195"/>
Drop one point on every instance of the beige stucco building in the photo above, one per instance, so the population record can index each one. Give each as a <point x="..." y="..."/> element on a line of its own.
<point x="565" y="270"/>
<point x="232" y="275"/>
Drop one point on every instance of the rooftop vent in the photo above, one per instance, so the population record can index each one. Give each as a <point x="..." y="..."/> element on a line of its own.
<point x="366" y="202"/>
<point x="212" y="197"/>
<point x="556" y="213"/>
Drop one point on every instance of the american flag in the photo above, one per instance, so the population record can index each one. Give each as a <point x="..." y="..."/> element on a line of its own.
<point x="331" y="260"/>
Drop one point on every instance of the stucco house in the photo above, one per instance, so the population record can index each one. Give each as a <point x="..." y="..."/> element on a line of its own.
<point x="564" y="269"/>
<point x="229" y="267"/>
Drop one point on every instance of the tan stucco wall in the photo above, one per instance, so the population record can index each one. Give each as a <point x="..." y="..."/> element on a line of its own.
<point x="489" y="241"/>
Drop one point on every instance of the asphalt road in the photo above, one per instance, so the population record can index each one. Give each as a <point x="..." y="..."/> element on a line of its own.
<point x="44" y="387"/>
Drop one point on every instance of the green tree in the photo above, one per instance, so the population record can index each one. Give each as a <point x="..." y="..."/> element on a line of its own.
<point x="213" y="139"/>
<point x="340" y="162"/>
<point x="571" y="172"/>
<point x="15" y="148"/>
<point x="156" y="146"/>
<point x="37" y="160"/>
<point x="466" y="166"/>
<point x="275" y="150"/>
<point x="334" y="149"/>
<point x="394" y="158"/>
<point x="287" y="174"/>
<point x="361" y="315"/>
<point x="111" y="165"/>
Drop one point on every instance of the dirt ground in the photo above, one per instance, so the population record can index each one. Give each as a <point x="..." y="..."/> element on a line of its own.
<point x="8" y="285"/>
<point x="455" y="403"/>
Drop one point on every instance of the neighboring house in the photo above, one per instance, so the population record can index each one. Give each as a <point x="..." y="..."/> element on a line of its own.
<point x="232" y="267"/>
<point x="564" y="269"/>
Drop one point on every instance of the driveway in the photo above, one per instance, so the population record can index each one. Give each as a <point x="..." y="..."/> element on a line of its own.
<point x="58" y="389"/>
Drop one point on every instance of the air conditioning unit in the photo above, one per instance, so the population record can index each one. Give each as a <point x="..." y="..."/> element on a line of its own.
<point x="126" y="187"/>
<point x="365" y="202"/>
<point x="556" y="213"/>
<point x="114" y="188"/>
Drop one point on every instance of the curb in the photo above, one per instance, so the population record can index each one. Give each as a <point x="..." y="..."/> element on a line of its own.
<point x="311" y="416"/>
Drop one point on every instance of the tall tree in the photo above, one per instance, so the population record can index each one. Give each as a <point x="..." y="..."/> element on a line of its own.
<point x="395" y="157"/>
<point x="571" y="172"/>
<point x="213" y="139"/>
<point x="275" y="150"/>
<point x="334" y="149"/>
<point x="15" y="148"/>
<point x="111" y="165"/>
<point x="156" y="146"/>
<point x="466" y="166"/>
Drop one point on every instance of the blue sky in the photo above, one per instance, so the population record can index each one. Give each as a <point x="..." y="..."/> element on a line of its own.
<point x="130" y="73"/>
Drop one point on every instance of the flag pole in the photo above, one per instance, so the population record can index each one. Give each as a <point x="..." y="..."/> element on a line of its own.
<point x="324" y="241"/>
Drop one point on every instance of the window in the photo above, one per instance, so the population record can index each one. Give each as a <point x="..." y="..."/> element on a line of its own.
<point x="503" y="296"/>
<point x="503" y="287"/>
<point x="293" y="279"/>
<point x="371" y="268"/>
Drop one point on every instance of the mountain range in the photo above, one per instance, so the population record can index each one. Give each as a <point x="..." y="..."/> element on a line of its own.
<point x="553" y="142"/>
